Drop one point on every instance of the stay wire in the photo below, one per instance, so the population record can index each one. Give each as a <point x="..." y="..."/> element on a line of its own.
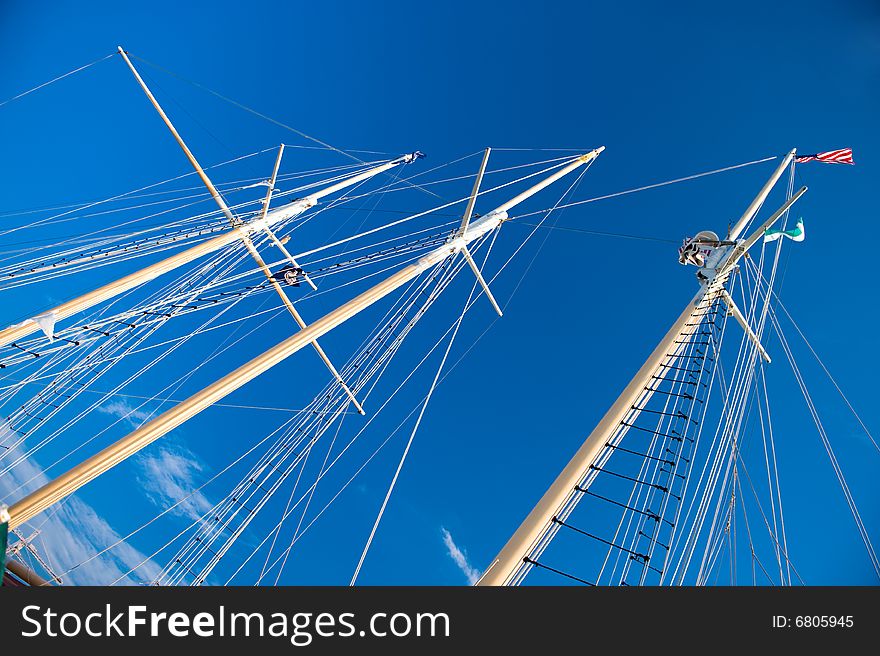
<point x="56" y="79"/>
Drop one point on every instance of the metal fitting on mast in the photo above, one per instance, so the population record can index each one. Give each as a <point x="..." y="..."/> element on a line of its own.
<point x="409" y="158"/>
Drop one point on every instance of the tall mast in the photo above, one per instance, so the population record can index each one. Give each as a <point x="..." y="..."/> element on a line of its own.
<point x="246" y="240"/>
<point x="126" y="283"/>
<point x="70" y="482"/>
<point x="536" y="531"/>
<point x="47" y="320"/>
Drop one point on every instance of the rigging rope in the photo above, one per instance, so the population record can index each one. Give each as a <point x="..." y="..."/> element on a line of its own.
<point x="652" y="186"/>
<point x="825" y="369"/>
<point x="671" y="399"/>
<point x="324" y="144"/>
<point x="599" y="233"/>
<point x="56" y="79"/>
<point x="415" y="430"/>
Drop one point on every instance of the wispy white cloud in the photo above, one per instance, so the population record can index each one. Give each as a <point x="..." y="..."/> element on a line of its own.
<point x="459" y="557"/>
<point x="169" y="474"/>
<point x="124" y="410"/>
<point x="71" y="533"/>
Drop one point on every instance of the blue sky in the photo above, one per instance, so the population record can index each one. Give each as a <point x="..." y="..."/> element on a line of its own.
<point x="670" y="91"/>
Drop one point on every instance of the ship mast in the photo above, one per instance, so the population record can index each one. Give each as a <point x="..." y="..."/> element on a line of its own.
<point x="68" y="483"/>
<point x="245" y="238"/>
<point x="537" y="530"/>
<point x="240" y="230"/>
<point x="126" y="283"/>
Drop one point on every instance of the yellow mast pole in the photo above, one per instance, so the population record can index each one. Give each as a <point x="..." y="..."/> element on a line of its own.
<point x="68" y="483"/>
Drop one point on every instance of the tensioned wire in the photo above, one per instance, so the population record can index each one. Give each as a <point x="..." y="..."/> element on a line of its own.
<point x="251" y="477"/>
<point x="431" y="389"/>
<point x="737" y="446"/>
<point x="124" y="194"/>
<point x="730" y="405"/>
<point x="409" y="253"/>
<point x="56" y="79"/>
<point x="716" y="375"/>
<point x="302" y="468"/>
<point x="434" y="294"/>
<point x="25" y="483"/>
<point x="363" y="465"/>
<point x="875" y="562"/>
<point x="105" y="262"/>
<point x="96" y="243"/>
<point x="187" y="280"/>
<point x="772" y="474"/>
<point x="781" y="550"/>
<point x="264" y="571"/>
<point x="726" y="434"/>
<point x="378" y="368"/>
<point x="767" y="309"/>
<point x="201" y="198"/>
<point x="343" y="451"/>
<point x="607" y="453"/>
<point x="569" y="507"/>
<point x="324" y="144"/>
<point x="823" y="366"/>
<point x="121" y="418"/>
<point x="106" y="396"/>
<point x="409" y="443"/>
<point x="260" y="290"/>
<point x="421" y="414"/>
<point x="652" y="186"/>
<point x="90" y="263"/>
<point x="227" y="187"/>
<point x="151" y="364"/>
<point x="418" y="215"/>
<point x="335" y="460"/>
<point x="206" y="268"/>
<point x="458" y="361"/>
<point x="783" y="553"/>
<point x="356" y="385"/>
<point x="718" y="448"/>
<point x="328" y="146"/>
<point x="641" y="496"/>
<point x="742" y="399"/>
<point x="182" y="501"/>
<point x="392" y="254"/>
<point x="319" y="272"/>
<point x="115" y="301"/>
<point x="578" y="202"/>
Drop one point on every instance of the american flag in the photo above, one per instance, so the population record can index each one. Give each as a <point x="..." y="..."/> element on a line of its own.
<point x="842" y="156"/>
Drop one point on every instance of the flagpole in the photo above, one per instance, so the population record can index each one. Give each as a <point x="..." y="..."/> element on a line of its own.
<point x="755" y="205"/>
<point x="69" y="482"/>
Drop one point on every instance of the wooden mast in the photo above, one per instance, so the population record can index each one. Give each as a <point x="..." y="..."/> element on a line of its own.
<point x="68" y="483"/>
<point x="536" y="530"/>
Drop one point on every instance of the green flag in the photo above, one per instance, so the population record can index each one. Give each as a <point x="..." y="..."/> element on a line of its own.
<point x="795" y="234"/>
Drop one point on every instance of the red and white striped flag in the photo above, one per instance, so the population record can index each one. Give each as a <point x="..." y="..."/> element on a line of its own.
<point x="842" y="156"/>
